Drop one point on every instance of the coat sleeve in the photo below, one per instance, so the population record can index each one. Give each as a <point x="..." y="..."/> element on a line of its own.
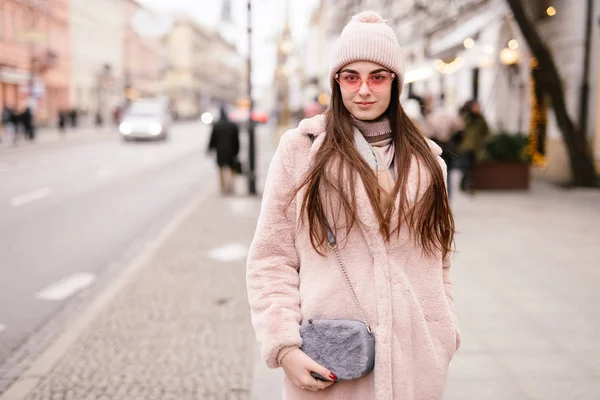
<point x="272" y="271"/>
<point x="212" y="144"/>
<point x="446" y="264"/>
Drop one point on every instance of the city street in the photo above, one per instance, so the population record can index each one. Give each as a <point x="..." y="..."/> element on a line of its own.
<point x="73" y="210"/>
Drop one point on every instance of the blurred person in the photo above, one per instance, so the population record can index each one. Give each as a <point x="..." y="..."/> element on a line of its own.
<point x="62" y="120"/>
<point x="444" y="127"/>
<point x="9" y="126"/>
<point x="312" y="109"/>
<point x="73" y="114"/>
<point x="225" y="140"/>
<point x="98" y="119"/>
<point x="475" y="132"/>
<point x="355" y="224"/>
<point x="26" y="120"/>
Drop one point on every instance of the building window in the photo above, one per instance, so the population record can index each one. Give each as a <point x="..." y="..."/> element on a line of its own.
<point x="12" y="26"/>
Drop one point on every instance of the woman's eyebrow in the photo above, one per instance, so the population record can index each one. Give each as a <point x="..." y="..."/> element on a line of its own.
<point x="370" y="73"/>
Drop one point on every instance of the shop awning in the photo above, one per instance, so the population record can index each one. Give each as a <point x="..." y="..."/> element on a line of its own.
<point x="454" y="40"/>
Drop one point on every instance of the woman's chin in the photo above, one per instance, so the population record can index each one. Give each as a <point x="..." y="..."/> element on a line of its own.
<point x="366" y="115"/>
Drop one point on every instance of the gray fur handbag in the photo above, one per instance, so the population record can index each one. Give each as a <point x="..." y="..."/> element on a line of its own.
<point x="344" y="346"/>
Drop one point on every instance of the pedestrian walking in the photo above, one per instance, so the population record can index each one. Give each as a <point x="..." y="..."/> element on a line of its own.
<point x="225" y="141"/>
<point x="444" y="127"/>
<point x="25" y="118"/>
<point x="476" y="131"/>
<point x="9" y="128"/>
<point x="62" y="120"/>
<point x="348" y="272"/>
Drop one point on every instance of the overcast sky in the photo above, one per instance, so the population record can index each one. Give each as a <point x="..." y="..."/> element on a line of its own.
<point x="268" y="17"/>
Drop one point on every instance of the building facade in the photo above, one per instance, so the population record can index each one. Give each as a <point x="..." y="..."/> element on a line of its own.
<point x="458" y="50"/>
<point x="35" y="56"/>
<point x="97" y="47"/>
<point x="142" y="58"/>
<point x="203" y="69"/>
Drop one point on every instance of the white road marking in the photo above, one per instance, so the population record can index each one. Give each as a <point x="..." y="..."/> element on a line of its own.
<point x="229" y="252"/>
<point x="105" y="172"/>
<point x="31" y="196"/>
<point x="67" y="287"/>
<point x="2" y="327"/>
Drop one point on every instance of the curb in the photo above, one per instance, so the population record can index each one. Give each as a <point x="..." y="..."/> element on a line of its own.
<point x="43" y="365"/>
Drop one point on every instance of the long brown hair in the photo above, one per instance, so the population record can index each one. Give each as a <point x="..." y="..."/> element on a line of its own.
<point x="430" y="221"/>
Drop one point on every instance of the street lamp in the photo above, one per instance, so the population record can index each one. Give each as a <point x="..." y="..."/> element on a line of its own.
<point x="251" y="144"/>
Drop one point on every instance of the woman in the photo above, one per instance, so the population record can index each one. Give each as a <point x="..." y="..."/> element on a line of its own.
<point x="379" y="184"/>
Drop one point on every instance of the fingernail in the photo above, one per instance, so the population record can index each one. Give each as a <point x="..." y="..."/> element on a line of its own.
<point x="332" y="377"/>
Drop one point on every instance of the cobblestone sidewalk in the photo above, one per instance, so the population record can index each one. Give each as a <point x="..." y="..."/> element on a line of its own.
<point x="180" y="329"/>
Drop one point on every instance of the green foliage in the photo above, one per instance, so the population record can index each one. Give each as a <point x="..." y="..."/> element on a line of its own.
<point x="506" y="147"/>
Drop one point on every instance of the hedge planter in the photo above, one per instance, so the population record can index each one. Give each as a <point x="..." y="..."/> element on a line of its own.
<point x="494" y="175"/>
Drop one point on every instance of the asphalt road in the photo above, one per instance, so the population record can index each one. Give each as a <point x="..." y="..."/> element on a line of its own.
<point x="71" y="210"/>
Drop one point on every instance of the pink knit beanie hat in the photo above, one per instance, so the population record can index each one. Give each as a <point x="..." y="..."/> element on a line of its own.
<point x="367" y="38"/>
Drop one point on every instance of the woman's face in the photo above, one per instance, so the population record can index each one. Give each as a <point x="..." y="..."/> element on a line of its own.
<point x="366" y="89"/>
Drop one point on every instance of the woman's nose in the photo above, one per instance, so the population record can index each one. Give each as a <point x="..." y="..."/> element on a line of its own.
<point x="364" y="89"/>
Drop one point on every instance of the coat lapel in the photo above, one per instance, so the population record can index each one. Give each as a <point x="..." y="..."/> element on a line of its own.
<point x="367" y="220"/>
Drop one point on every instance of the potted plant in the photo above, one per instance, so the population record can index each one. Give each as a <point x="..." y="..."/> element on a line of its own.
<point x="504" y="163"/>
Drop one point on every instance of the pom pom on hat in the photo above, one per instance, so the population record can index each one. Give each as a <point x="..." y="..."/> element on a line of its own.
<point x="368" y="17"/>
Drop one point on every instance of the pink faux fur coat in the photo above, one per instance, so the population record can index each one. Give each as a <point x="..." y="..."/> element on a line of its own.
<point x="407" y="296"/>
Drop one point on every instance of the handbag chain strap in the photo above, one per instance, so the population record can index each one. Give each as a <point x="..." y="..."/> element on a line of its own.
<point x="333" y="246"/>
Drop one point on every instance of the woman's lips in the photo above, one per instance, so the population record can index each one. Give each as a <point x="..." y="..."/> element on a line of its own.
<point x="365" y="104"/>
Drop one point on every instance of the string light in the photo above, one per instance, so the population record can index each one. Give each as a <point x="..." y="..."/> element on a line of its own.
<point x="469" y="43"/>
<point x="539" y="116"/>
<point x="551" y="11"/>
<point x="448" y="68"/>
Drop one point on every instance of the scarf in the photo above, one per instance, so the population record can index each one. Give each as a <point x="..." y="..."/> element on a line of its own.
<point x="373" y="140"/>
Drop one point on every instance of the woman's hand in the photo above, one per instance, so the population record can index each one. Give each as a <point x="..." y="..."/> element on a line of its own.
<point x="298" y="366"/>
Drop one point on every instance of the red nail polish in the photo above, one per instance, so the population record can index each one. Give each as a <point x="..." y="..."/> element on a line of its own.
<point x="332" y="377"/>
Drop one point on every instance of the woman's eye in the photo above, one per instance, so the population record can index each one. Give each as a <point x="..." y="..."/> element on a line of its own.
<point x="351" y="78"/>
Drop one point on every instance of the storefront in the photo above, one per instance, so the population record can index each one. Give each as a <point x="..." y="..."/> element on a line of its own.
<point x="484" y="56"/>
<point x="10" y="81"/>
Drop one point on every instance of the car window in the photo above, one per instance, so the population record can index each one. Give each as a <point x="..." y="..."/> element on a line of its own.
<point x="145" y="109"/>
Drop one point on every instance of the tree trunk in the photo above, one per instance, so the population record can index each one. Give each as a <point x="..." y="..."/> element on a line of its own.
<point x="580" y="156"/>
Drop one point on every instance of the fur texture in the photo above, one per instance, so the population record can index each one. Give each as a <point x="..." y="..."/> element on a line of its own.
<point x="344" y="346"/>
<point x="407" y="297"/>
